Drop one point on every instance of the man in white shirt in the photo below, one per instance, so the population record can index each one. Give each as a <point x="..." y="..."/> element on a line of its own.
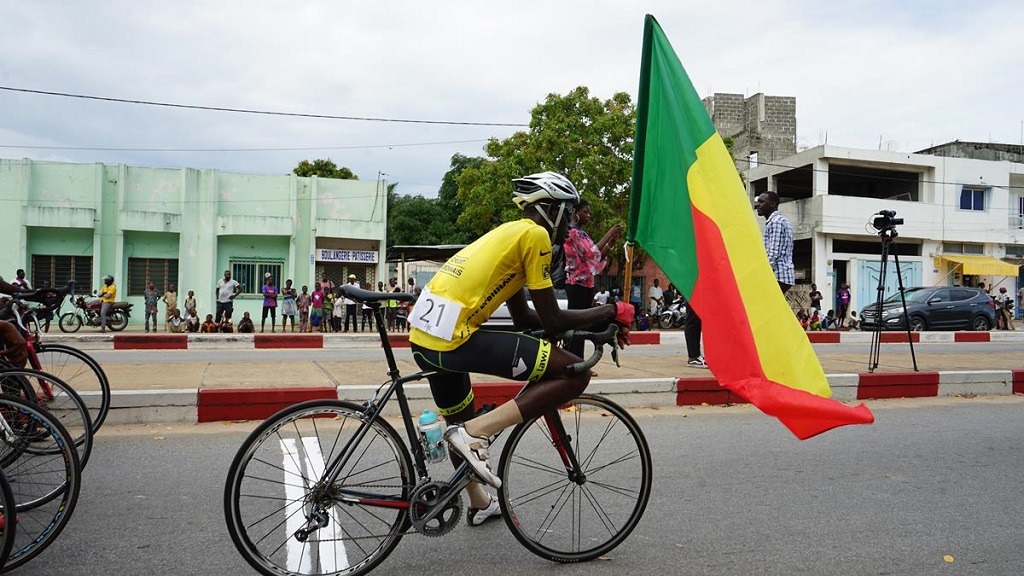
<point x="351" y="307"/>
<point x="656" y="297"/>
<point x="601" y="298"/>
<point x="20" y="281"/>
<point x="226" y="291"/>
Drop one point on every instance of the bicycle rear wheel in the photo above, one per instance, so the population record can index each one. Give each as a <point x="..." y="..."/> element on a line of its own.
<point x="83" y="373"/>
<point x="274" y="488"/>
<point x="45" y="485"/>
<point x="574" y="520"/>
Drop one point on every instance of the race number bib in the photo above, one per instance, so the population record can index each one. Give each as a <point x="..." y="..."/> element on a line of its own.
<point x="435" y="315"/>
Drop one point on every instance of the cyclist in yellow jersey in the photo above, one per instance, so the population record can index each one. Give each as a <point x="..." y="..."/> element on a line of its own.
<point x="445" y="333"/>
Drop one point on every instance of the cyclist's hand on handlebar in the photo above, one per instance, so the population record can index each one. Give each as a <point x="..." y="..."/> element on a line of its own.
<point x="624" y="312"/>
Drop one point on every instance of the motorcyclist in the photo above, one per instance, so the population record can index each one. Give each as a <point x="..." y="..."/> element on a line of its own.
<point x="107" y="295"/>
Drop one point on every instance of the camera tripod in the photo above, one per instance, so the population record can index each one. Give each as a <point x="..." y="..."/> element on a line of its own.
<point x="888" y="234"/>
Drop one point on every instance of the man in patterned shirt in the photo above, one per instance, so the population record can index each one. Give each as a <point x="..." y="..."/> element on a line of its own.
<point x="778" y="239"/>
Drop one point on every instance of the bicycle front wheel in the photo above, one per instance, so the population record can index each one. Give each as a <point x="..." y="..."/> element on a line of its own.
<point x="82" y="372"/>
<point x="62" y="402"/>
<point x="275" y="489"/>
<point x="566" y="519"/>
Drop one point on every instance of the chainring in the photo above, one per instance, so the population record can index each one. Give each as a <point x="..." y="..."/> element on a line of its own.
<point x="423" y="501"/>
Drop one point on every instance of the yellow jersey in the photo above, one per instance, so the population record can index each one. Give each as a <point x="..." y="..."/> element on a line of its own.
<point x="481" y="277"/>
<point x="108" y="294"/>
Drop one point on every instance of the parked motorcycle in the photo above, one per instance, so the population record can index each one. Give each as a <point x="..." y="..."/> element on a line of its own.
<point x="674" y="316"/>
<point x="87" y="312"/>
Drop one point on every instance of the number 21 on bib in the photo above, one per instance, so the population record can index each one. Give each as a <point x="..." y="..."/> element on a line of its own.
<point x="435" y="315"/>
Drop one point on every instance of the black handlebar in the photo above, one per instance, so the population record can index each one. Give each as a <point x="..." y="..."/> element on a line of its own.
<point x="606" y="336"/>
<point x="369" y="296"/>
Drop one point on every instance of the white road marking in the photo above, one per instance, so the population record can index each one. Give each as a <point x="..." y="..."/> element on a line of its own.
<point x="298" y="559"/>
<point x="331" y="550"/>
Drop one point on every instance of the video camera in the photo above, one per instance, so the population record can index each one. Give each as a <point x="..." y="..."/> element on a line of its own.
<point x="885" y="220"/>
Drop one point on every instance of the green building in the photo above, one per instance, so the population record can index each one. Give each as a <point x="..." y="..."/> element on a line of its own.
<point x="66" y="221"/>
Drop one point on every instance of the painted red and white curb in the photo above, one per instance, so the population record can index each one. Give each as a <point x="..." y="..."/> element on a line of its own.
<point x="143" y="341"/>
<point x="212" y="405"/>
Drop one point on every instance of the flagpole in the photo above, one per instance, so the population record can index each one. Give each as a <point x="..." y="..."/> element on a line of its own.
<point x="627" y="288"/>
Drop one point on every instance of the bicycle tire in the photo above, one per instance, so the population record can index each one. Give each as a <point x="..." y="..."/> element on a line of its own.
<point x="7" y="510"/>
<point x="45" y="486"/>
<point x="63" y="402"/>
<point x="83" y="373"/>
<point x="259" y="509"/>
<point x="547" y="511"/>
<point x="69" y="322"/>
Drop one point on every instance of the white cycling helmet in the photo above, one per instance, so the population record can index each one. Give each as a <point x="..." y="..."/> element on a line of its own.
<point x="544" y="188"/>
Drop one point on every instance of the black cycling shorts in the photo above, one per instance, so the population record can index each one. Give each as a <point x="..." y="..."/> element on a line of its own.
<point x="509" y="355"/>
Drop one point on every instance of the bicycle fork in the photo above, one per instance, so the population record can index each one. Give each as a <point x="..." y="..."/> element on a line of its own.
<point x="562" y="442"/>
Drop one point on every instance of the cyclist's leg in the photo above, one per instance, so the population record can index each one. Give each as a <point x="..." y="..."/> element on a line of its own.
<point x="453" y="395"/>
<point x="517" y="357"/>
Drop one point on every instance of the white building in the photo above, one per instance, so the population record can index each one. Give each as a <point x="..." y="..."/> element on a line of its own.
<point x="964" y="219"/>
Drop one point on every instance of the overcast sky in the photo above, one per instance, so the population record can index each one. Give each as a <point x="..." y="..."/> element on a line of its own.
<point x="908" y="74"/>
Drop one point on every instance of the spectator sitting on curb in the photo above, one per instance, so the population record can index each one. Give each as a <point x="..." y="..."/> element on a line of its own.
<point x="815" y="320"/>
<point x="209" y="326"/>
<point x="830" y="322"/>
<point x="804" y="319"/>
<point x="192" y="322"/>
<point x="176" y="324"/>
<point x="853" y="322"/>
<point x="245" y="325"/>
<point x="227" y="326"/>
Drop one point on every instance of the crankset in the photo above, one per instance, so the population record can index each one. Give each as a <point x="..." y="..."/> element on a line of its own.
<point x="434" y="508"/>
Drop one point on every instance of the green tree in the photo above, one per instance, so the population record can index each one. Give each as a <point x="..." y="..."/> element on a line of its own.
<point x="324" y="168"/>
<point x="449" y="202"/>
<point x="415" y="220"/>
<point x="588" y="140"/>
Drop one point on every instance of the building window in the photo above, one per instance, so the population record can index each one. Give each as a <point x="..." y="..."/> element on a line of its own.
<point x="59" y="270"/>
<point x="962" y="248"/>
<point x="972" y="198"/>
<point x="251" y="272"/>
<point x="1015" y="251"/>
<point x="162" y="271"/>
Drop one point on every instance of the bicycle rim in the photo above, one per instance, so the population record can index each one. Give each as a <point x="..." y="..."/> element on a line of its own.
<point x="45" y="486"/>
<point x="275" y="475"/>
<point x="81" y="372"/>
<point x="557" y="518"/>
<point x="62" y="402"/>
<point x="7" y="528"/>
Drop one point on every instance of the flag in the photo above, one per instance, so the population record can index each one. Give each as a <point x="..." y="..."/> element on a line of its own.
<point x="690" y="212"/>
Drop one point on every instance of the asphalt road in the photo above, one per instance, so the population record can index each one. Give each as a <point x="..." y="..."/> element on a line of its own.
<point x="734" y="493"/>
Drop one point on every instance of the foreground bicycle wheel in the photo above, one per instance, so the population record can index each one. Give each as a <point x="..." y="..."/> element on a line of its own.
<point x="7" y="510"/>
<point x="274" y="489"/>
<point x="45" y="485"/>
<point x="82" y="373"/>
<point x="61" y="401"/>
<point x="562" y="519"/>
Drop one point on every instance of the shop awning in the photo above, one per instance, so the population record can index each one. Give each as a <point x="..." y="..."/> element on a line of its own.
<point x="982" y="265"/>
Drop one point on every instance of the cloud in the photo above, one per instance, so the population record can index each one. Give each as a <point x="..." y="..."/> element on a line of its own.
<point x="912" y="73"/>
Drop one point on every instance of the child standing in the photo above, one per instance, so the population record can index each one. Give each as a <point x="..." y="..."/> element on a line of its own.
<point x="317" y="315"/>
<point x="303" y="303"/>
<point x="328" y="312"/>
<point x="190" y="304"/>
<point x="288" y="305"/>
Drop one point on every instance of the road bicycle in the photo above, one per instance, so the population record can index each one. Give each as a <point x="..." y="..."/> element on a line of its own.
<point x="330" y="487"/>
<point x="75" y="367"/>
<point x="7" y="529"/>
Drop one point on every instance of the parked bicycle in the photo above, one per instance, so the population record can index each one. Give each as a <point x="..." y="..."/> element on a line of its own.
<point x="330" y="487"/>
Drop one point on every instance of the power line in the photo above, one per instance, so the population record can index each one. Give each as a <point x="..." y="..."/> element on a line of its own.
<point x="284" y="149"/>
<point x="261" y="112"/>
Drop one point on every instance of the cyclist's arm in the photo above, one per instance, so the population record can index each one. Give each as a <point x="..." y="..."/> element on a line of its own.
<point x="554" y="320"/>
<point x="7" y="288"/>
<point x="523" y="316"/>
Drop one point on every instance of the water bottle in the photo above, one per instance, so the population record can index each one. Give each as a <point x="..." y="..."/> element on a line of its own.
<point x="432" y="437"/>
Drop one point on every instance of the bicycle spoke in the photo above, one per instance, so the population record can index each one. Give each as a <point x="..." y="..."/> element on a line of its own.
<point x="526" y="463"/>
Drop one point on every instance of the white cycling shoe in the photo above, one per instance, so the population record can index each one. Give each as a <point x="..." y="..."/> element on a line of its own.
<point x="476" y="517"/>
<point x="473" y="450"/>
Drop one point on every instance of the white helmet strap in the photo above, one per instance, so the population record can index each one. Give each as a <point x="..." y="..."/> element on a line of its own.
<point x="558" y="219"/>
